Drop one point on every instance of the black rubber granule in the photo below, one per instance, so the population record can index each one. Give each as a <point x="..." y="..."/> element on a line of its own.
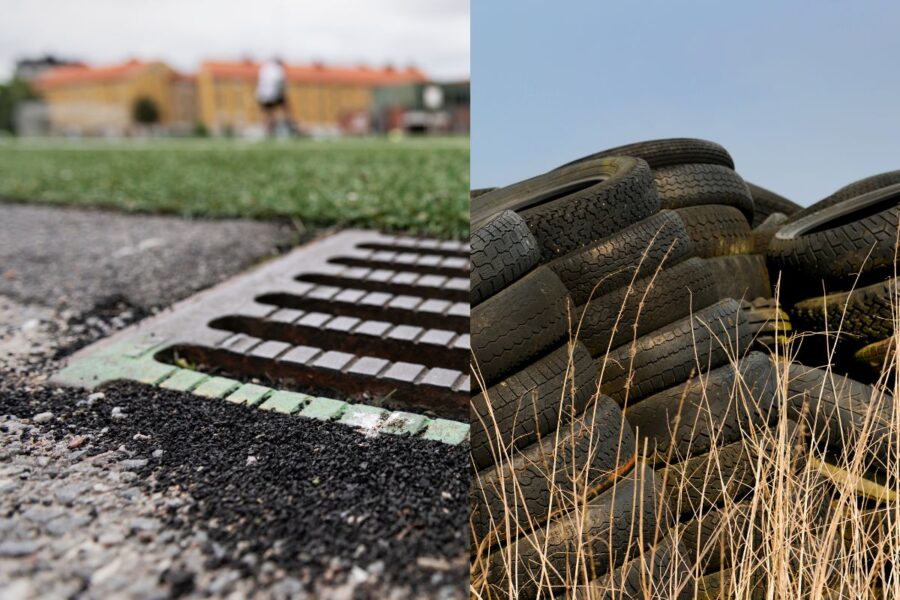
<point x="315" y="498"/>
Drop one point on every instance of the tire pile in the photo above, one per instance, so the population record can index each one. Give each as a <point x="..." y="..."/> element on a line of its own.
<point x="619" y="303"/>
<point x="837" y="260"/>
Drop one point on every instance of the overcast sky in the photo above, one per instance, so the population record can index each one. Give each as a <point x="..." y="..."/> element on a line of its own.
<point x="432" y="34"/>
<point x="805" y="95"/>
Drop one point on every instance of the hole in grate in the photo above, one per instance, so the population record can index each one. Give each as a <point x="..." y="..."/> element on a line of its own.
<point x="439" y="249"/>
<point x="449" y="266"/>
<point x="379" y="306"/>
<point x="416" y="287"/>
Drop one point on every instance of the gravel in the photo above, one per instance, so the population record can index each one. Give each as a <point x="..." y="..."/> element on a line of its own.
<point x="322" y="509"/>
<point x="43" y="417"/>
<point x="65" y="520"/>
<point x="33" y="337"/>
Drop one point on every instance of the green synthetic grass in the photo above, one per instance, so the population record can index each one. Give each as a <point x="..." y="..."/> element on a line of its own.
<point x="418" y="186"/>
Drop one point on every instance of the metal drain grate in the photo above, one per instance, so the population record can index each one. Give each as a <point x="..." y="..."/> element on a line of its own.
<point x="366" y="318"/>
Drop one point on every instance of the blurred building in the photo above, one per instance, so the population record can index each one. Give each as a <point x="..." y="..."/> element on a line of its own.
<point x="320" y="98"/>
<point x="78" y="99"/>
<point x="89" y="100"/>
<point x="185" y="101"/>
<point x="29" y="69"/>
<point x="31" y="118"/>
<point x="422" y="107"/>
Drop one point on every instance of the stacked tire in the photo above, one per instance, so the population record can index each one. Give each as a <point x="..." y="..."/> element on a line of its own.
<point x="621" y="304"/>
<point x="540" y="431"/>
<point x="601" y="291"/>
<point x="662" y="301"/>
<point x="837" y="263"/>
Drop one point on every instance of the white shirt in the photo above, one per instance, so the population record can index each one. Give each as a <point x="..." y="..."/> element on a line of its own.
<point x="270" y="84"/>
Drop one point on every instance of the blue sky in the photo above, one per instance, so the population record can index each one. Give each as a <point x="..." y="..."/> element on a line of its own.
<point x="805" y="95"/>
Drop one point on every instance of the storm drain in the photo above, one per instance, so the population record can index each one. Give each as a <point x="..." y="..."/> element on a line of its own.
<point x="360" y="327"/>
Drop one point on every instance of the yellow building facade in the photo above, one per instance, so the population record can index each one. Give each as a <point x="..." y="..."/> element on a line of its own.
<point x="318" y="96"/>
<point x="98" y="100"/>
<point x="222" y="96"/>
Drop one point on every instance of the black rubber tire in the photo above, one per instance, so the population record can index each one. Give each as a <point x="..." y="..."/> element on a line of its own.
<point x="522" y="322"/>
<point x="576" y="220"/>
<point x="480" y="192"/>
<point x="866" y="313"/>
<point x="667" y="296"/>
<point x="708" y="480"/>
<point x="766" y="203"/>
<point x="611" y="263"/>
<point x="668" y="152"/>
<point x="585" y="183"/>
<point x="719" y="585"/>
<point x="716" y="230"/>
<point x="857" y="188"/>
<point x="837" y="411"/>
<point x="856" y="236"/>
<point x="876" y="521"/>
<point x="765" y="231"/>
<point x="771" y="324"/>
<point x="502" y="251"/>
<point x="743" y="277"/>
<point x="658" y="572"/>
<point x="695" y="185"/>
<point x="531" y="403"/>
<point x="594" y="450"/>
<point x="712" y="540"/>
<point x="713" y="409"/>
<point x="613" y="524"/>
<point x="670" y="356"/>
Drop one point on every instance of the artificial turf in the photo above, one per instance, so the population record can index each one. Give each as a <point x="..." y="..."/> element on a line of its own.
<point x="418" y="186"/>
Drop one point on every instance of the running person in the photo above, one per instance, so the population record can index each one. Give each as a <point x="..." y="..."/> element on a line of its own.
<point x="271" y="95"/>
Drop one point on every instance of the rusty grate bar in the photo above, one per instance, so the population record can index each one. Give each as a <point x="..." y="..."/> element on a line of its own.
<point x="431" y="347"/>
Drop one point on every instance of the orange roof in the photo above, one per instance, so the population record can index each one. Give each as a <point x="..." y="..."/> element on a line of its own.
<point x="70" y="74"/>
<point x="318" y="73"/>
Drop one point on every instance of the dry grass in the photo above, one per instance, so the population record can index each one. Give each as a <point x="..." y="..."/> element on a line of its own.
<point x="810" y="523"/>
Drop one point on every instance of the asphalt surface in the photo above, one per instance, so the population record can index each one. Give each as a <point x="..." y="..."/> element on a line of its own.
<point x="77" y="259"/>
<point x="142" y="493"/>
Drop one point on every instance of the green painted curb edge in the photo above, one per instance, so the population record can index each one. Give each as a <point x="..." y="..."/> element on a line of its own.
<point x="134" y="360"/>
